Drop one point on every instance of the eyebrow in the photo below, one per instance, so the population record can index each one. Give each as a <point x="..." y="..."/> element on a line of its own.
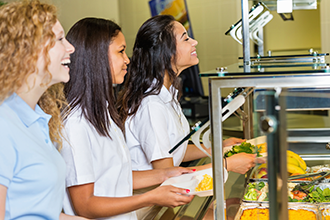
<point x="183" y="35"/>
<point x="60" y="33"/>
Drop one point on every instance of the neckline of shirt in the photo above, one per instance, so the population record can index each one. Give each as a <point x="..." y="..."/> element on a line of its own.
<point x="25" y="113"/>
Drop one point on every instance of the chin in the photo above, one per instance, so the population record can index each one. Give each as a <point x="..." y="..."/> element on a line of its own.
<point x="118" y="82"/>
<point x="195" y="62"/>
<point x="63" y="80"/>
<point x="66" y="79"/>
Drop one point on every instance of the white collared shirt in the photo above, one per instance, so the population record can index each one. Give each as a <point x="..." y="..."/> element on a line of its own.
<point x="158" y="125"/>
<point x="92" y="158"/>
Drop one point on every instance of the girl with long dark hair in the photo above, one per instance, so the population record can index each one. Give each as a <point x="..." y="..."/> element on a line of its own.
<point x="99" y="178"/>
<point x="148" y="104"/>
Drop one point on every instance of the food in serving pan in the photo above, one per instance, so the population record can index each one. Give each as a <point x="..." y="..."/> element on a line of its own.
<point x="320" y="168"/>
<point x="318" y="195"/>
<point x="295" y="166"/>
<point x="205" y="184"/>
<point x="256" y="213"/>
<point x="258" y="191"/>
<point x="325" y="211"/>
<point x="263" y="214"/>
<point x="294" y="158"/>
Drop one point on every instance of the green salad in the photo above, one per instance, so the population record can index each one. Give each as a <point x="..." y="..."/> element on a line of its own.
<point x="244" y="147"/>
<point x="318" y="195"/>
<point x="258" y="191"/>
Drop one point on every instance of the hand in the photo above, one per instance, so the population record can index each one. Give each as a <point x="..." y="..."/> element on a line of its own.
<point x="176" y="171"/>
<point x="242" y="162"/>
<point x="232" y="141"/>
<point x="170" y="196"/>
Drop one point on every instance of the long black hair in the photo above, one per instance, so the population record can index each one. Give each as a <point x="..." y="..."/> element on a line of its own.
<point x="154" y="53"/>
<point x="90" y="85"/>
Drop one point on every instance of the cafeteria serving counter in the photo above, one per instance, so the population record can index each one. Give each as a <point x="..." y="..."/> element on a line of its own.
<point x="290" y="105"/>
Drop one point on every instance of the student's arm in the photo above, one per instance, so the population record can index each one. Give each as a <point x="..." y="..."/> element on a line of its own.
<point x="194" y="153"/>
<point x="142" y="179"/>
<point x="162" y="163"/>
<point x="90" y="206"/>
<point x="3" y="193"/>
<point x="168" y="162"/>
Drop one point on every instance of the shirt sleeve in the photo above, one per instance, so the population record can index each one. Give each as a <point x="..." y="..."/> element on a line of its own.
<point x="150" y="127"/>
<point x="77" y="153"/>
<point x="8" y="156"/>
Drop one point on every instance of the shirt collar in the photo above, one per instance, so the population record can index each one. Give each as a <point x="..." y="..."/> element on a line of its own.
<point x="27" y="115"/>
<point x="167" y="95"/>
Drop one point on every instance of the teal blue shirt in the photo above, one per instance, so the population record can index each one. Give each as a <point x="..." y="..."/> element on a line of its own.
<point x="30" y="166"/>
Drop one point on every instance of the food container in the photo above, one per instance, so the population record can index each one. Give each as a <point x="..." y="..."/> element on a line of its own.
<point x="325" y="211"/>
<point x="262" y="191"/>
<point x="260" y="211"/>
<point x="303" y="211"/>
<point x="249" y="211"/>
<point x="321" y="168"/>
<point x="261" y="199"/>
<point x="322" y="186"/>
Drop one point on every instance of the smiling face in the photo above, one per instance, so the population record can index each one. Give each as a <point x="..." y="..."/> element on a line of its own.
<point x="185" y="47"/>
<point x="118" y="58"/>
<point x="59" y="56"/>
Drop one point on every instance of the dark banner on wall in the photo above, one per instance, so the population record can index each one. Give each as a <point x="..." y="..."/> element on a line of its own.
<point x="176" y="8"/>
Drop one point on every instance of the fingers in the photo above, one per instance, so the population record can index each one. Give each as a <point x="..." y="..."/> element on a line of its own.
<point x="243" y="162"/>
<point x="171" y="196"/>
<point x="261" y="160"/>
<point x="184" y="170"/>
<point x="181" y="196"/>
<point x="237" y="140"/>
<point x="177" y="171"/>
<point x="179" y="190"/>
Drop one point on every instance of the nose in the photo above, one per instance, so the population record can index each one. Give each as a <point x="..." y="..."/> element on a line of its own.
<point x="194" y="42"/>
<point x="69" y="47"/>
<point x="126" y="59"/>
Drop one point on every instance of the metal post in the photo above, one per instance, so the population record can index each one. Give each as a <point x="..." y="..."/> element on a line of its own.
<point x="248" y="117"/>
<point x="217" y="155"/>
<point x="273" y="123"/>
<point x="245" y="35"/>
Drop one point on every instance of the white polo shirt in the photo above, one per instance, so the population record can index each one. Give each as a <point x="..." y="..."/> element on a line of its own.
<point x="158" y="125"/>
<point x="92" y="158"/>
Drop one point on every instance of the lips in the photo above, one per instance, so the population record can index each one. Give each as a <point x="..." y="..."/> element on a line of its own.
<point x="194" y="53"/>
<point x="65" y="62"/>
